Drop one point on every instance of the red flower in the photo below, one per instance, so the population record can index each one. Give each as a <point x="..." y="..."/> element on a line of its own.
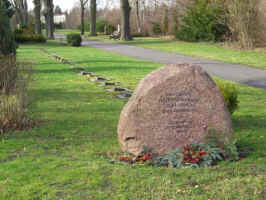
<point x="202" y="153"/>
<point x="147" y="156"/>
<point x="195" y="160"/>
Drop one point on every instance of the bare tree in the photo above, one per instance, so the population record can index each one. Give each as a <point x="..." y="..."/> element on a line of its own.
<point x="21" y="7"/>
<point x="137" y="5"/>
<point x="73" y="18"/>
<point x="49" y="18"/>
<point x="125" y="20"/>
<point x="37" y="17"/>
<point x="82" y="6"/>
<point x="93" y="11"/>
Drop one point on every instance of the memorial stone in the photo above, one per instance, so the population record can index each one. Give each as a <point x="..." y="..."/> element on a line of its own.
<point x="173" y="106"/>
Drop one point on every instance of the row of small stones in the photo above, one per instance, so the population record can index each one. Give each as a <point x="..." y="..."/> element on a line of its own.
<point x="99" y="80"/>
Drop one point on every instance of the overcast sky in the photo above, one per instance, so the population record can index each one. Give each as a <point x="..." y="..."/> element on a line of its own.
<point x="68" y="4"/>
<point x="64" y="4"/>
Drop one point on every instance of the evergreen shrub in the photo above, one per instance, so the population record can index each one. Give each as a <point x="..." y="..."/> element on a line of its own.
<point x="86" y="26"/>
<point x="204" y="22"/>
<point x="110" y="29"/>
<point x="156" y="29"/>
<point x="24" y="38"/>
<point x="100" y="26"/>
<point x="27" y="34"/>
<point x="74" y="39"/>
<point x="230" y="95"/>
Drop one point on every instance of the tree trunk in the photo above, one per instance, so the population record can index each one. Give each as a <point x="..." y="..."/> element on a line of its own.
<point x="138" y="17"/>
<point x="125" y="20"/>
<point x="25" y="13"/>
<point x="143" y="12"/>
<point x="37" y="17"/>
<point x="165" y="22"/>
<point x="21" y="7"/>
<point x="93" y="11"/>
<point x="82" y="19"/>
<point x="7" y="42"/>
<point x="49" y="18"/>
<point x="20" y="17"/>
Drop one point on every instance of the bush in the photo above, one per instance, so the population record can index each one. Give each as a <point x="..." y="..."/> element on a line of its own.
<point x="165" y="22"/>
<point x="100" y="26"/>
<point x="28" y="29"/>
<point x="110" y="29"/>
<point x="24" y="38"/>
<point x="142" y="34"/>
<point x="74" y="39"/>
<point x="27" y="34"/>
<point x="59" y="25"/>
<point x="14" y="100"/>
<point x="230" y="95"/>
<point x="156" y="29"/>
<point x="18" y="31"/>
<point x="86" y="26"/>
<point x="135" y="35"/>
<point x="203" y="22"/>
<point x="39" y="38"/>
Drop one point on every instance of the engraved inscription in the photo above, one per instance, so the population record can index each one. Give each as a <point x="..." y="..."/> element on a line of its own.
<point x="180" y="124"/>
<point x="181" y="102"/>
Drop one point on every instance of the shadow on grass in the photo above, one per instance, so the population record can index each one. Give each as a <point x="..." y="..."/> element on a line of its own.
<point x="50" y="63"/>
<point x="55" y="44"/>
<point x="43" y="45"/>
<point x="53" y="71"/>
<point x="60" y="94"/>
<point x="120" y="69"/>
<point x="248" y="123"/>
<point x="96" y="69"/>
<point x="136" y="42"/>
<point x="249" y="129"/>
<point x="84" y="61"/>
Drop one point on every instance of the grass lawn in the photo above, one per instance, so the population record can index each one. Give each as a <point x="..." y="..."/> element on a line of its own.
<point x="67" y="31"/>
<point x="210" y="51"/>
<point x="68" y="156"/>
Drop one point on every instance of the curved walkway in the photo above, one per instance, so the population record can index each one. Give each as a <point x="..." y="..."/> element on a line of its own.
<point x="239" y="73"/>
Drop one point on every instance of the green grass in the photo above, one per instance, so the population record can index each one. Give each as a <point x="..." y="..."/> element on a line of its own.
<point x="67" y="31"/>
<point x="210" y="51"/>
<point x="206" y="50"/>
<point x="67" y="157"/>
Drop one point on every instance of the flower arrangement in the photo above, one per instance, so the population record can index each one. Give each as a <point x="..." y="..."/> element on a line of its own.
<point x="192" y="155"/>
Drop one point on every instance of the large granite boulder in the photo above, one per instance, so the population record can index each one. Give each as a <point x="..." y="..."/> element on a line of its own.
<point x="173" y="106"/>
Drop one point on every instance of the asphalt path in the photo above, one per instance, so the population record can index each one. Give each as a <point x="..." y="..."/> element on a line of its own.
<point x="238" y="73"/>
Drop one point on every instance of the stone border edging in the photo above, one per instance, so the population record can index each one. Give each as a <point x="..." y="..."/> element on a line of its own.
<point x="103" y="81"/>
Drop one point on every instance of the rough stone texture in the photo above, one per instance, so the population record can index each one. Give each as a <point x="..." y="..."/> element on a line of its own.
<point x="173" y="106"/>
